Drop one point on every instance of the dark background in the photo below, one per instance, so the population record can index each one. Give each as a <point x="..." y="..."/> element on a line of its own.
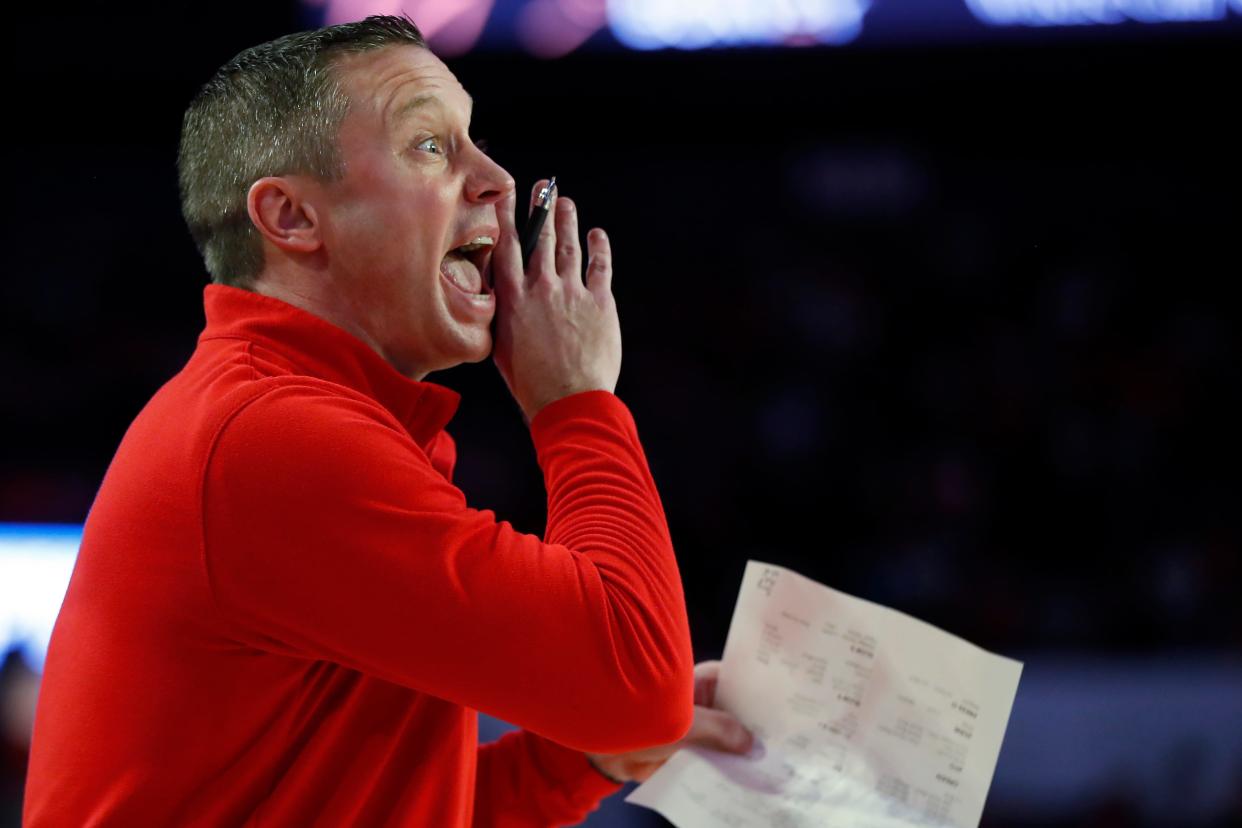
<point x="950" y="328"/>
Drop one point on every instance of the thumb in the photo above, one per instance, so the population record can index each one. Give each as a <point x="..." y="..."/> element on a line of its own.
<point x="718" y="730"/>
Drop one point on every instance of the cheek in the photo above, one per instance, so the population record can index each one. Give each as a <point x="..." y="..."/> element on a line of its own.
<point x="354" y="230"/>
<point x="389" y="222"/>
<point x="374" y="234"/>
<point x="428" y="221"/>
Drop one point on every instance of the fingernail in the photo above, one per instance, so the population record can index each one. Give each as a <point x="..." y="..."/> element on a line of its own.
<point x="744" y="741"/>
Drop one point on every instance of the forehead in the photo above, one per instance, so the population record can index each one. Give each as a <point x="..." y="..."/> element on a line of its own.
<point x="382" y="83"/>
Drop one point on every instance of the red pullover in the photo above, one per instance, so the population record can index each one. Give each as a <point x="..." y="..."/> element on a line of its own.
<point x="285" y="614"/>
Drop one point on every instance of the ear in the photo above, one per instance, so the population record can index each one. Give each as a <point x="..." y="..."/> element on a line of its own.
<point x="279" y="211"/>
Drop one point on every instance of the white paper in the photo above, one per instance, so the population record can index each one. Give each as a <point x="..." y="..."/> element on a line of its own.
<point x="864" y="718"/>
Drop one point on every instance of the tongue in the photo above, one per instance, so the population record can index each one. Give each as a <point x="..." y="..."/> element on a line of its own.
<point x="462" y="272"/>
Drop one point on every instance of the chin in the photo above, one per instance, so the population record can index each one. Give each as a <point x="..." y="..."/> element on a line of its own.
<point x="482" y="352"/>
<point x="466" y="350"/>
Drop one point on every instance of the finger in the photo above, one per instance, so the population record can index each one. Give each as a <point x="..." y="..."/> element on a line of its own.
<point x="542" y="258"/>
<point x="718" y="730"/>
<point x="505" y="265"/>
<point x="706" y="674"/>
<point x="534" y="194"/>
<point x="568" y="248"/>
<point x="599" y="266"/>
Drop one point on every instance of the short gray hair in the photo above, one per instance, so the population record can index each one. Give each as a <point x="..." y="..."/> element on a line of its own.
<point x="275" y="109"/>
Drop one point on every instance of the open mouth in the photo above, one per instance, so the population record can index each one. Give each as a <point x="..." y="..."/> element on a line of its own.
<point x="466" y="265"/>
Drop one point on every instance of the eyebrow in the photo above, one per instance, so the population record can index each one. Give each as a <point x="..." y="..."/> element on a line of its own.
<point x="420" y="102"/>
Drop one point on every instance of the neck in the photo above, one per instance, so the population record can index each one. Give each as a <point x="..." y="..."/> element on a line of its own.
<point x="310" y="297"/>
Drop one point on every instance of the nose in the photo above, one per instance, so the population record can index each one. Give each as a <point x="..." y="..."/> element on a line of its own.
<point x="488" y="182"/>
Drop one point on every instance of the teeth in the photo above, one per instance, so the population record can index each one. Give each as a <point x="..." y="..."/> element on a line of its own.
<point x="477" y="243"/>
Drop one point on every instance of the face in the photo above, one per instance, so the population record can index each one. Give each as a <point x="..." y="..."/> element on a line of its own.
<point x="415" y="189"/>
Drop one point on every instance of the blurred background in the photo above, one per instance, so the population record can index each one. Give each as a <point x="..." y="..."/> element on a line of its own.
<point x="929" y="300"/>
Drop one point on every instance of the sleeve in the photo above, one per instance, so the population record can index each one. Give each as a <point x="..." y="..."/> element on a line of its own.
<point x="328" y="534"/>
<point x="526" y="781"/>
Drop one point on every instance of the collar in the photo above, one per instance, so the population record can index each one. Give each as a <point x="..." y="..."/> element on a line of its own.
<point x="320" y="349"/>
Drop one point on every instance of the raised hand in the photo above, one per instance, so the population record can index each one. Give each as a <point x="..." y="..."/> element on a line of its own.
<point x="555" y="335"/>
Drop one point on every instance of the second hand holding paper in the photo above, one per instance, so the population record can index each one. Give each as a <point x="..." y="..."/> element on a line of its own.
<point x="863" y="716"/>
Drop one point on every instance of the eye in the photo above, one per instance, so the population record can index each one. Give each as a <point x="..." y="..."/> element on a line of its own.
<point x="433" y="142"/>
<point x="481" y="143"/>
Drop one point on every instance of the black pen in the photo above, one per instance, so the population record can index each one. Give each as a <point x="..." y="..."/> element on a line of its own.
<point x="534" y="222"/>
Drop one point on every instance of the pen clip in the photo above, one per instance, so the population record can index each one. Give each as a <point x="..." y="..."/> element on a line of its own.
<point x="546" y="193"/>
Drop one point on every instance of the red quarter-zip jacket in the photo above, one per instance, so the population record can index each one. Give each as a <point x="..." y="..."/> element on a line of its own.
<point x="284" y="613"/>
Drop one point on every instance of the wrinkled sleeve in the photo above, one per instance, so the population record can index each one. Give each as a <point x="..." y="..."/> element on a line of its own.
<point x="526" y="781"/>
<point x="328" y="534"/>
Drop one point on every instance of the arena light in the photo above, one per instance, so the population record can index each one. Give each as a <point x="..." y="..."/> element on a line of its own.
<point x="1097" y="12"/>
<point x="699" y="24"/>
<point x="551" y="28"/>
<point x="36" y="561"/>
<point x="451" y="27"/>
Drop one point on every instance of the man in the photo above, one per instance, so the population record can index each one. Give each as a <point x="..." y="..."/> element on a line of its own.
<point x="283" y="612"/>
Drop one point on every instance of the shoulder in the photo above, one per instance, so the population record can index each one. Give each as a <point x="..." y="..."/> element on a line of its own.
<point x="303" y="452"/>
<point x="304" y="422"/>
<point x="299" y="402"/>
